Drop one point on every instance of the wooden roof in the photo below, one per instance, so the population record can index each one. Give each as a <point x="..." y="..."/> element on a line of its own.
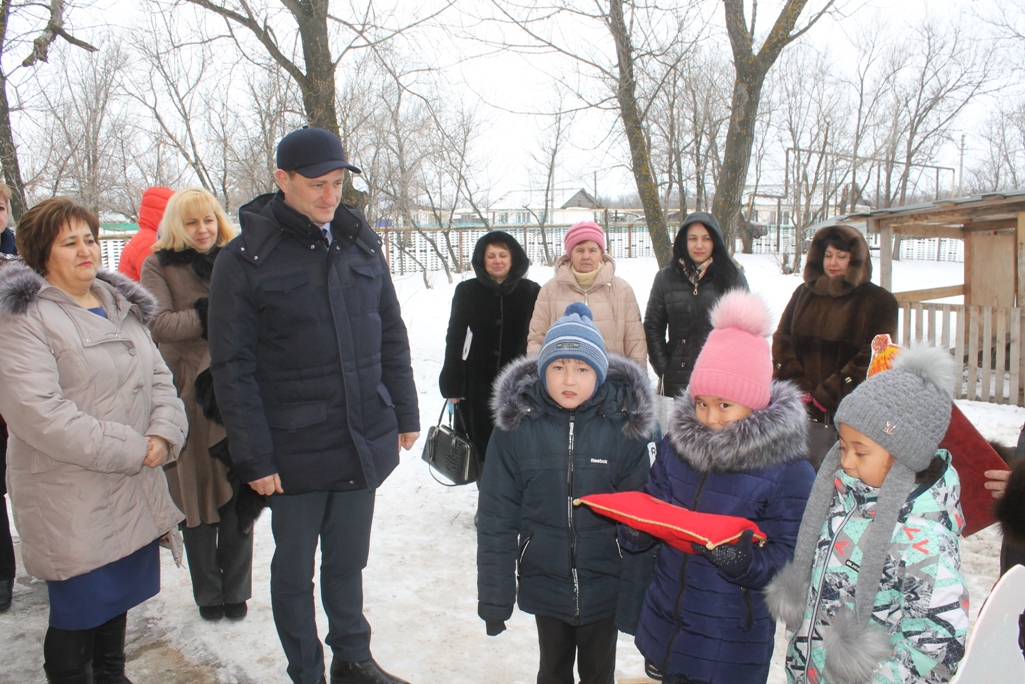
<point x="946" y="218"/>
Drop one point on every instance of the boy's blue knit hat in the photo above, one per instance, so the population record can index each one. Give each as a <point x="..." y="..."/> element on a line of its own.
<point x="575" y="336"/>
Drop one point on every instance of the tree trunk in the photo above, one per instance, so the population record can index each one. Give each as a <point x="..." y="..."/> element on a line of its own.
<point x="8" y="152"/>
<point x="640" y="157"/>
<point x="736" y="155"/>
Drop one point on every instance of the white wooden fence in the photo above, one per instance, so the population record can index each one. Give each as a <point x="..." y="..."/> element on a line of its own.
<point x="986" y="339"/>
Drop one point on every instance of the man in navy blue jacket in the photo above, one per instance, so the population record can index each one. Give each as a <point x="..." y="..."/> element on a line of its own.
<point x="311" y="367"/>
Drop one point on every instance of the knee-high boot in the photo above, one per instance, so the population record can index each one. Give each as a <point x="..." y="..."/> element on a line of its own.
<point x="109" y="652"/>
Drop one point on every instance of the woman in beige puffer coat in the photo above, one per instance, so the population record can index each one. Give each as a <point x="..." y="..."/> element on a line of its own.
<point x="587" y="274"/>
<point x="92" y="414"/>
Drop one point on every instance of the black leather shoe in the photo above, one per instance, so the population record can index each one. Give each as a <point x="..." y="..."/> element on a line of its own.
<point x="6" y="592"/>
<point x="211" y="612"/>
<point x="366" y="672"/>
<point x="235" y="611"/>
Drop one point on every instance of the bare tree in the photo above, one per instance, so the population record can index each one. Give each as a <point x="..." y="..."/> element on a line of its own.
<point x="48" y="22"/>
<point x="547" y="159"/>
<point x="305" y="51"/>
<point x="83" y="105"/>
<point x="751" y="68"/>
<point x="1002" y="165"/>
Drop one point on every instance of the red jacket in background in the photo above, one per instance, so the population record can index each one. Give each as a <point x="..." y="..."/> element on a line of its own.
<point x="151" y="210"/>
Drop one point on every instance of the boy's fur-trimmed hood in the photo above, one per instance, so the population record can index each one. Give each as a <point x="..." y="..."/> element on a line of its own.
<point x="20" y="287"/>
<point x="518" y="392"/>
<point x="774" y="435"/>
<point x="859" y="273"/>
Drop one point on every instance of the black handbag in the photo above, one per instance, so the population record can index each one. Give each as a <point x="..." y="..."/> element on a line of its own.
<point x="822" y="435"/>
<point x="451" y="453"/>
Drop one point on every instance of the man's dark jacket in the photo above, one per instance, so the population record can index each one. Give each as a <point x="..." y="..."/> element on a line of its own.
<point x="499" y="316"/>
<point x="308" y="351"/>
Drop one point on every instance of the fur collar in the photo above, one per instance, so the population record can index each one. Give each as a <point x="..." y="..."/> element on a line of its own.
<point x="626" y="390"/>
<point x="859" y="273"/>
<point x="202" y="264"/>
<point x="20" y="286"/>
<point x="771" y="436"/>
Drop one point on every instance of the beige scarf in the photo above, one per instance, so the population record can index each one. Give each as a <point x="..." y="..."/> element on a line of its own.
<point x="586" y="280"/>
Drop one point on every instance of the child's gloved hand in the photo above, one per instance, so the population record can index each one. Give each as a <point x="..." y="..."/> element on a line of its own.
<point x="495" y="627"/>
<point x="733" y="559"/>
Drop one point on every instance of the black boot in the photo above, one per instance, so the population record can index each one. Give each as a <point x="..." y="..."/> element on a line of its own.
<point x="6" y="593"/>
<point x="109" y="652"/>
<point x="366" y="672"/>
<point x="78" y="675"/>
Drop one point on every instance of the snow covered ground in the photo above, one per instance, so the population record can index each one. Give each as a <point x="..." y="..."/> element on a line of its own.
<point x="421" y="581"/>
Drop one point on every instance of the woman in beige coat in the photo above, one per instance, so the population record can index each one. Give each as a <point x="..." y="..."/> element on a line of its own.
<point x="191" y="234"/>
<point x="585" y="273"/>
<point x="92" y="414"/>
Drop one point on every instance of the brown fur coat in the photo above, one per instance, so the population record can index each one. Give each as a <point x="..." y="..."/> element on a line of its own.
<point x="823" y="342"/>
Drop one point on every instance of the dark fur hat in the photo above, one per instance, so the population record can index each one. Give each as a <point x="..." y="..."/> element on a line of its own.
<point x="860" y="270"/>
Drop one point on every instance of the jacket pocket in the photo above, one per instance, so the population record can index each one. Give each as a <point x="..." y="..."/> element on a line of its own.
<point x="367" y="278"/>
<point x="285" y="283"/>
<point x="385" y="395"/>
<point x="291" y="417"/>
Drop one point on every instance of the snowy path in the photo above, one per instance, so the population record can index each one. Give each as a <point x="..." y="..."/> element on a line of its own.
<point x="421" y="581"/>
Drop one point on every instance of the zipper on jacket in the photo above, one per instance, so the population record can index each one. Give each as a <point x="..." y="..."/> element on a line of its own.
<point x="749" y="607"/>
<point x="569" y="514"/>
<point x="501" y="330"/>
<point x="818" y="592"/>
<point x="683" y="585"/>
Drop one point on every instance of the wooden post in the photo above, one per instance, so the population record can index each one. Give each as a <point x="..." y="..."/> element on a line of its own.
<point x="1019" y="290"/>
<point x="885" y="254"/>
<point x="1019" y="259"/>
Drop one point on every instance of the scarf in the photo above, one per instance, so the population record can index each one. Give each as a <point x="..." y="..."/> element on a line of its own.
<point x="586" y="280"/>
<point x="696" y="272"/>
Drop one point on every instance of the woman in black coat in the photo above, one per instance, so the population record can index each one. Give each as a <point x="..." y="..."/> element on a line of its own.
<point x="494" y="311"/>
<point x="681" y="297"/>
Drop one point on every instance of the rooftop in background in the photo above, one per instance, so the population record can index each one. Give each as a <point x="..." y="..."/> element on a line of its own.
<point x="947" y="218"/>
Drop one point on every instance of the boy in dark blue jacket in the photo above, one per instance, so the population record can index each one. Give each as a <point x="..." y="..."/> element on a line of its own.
<point x="571" y="421"/>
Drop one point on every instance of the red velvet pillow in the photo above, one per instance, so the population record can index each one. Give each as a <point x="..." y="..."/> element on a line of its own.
<point x="679" y="527"/>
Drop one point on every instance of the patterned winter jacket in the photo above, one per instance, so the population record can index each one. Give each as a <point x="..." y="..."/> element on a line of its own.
<point x="922" y="600"/>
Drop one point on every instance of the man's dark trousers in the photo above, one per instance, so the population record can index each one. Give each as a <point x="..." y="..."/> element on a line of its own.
<point x="341" y="521"/>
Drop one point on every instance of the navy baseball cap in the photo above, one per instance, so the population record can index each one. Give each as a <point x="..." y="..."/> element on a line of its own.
<point x="312" y="152"/>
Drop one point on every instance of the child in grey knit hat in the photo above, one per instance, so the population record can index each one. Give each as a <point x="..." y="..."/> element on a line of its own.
<point x="875" y="591"/>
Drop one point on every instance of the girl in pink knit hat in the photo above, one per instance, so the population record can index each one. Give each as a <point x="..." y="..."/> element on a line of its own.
<point x="585" y="273"/>
<point x="735" y="446"/>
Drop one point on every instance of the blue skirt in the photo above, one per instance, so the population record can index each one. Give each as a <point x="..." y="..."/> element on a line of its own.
<point x="89" y="600"/>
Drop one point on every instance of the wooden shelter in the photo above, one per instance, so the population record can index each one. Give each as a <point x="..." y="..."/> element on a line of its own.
<point x="986" y="331"/>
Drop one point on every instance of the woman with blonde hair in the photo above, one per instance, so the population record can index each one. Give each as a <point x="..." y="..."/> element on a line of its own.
<point x="192" y="232"/>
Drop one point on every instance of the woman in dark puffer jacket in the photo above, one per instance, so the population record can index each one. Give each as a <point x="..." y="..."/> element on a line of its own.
<point x="683" y="294"/>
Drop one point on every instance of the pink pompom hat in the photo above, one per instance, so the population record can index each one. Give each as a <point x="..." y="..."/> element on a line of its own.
<point x="735" y="364"/>
<point x="582" y="232"/>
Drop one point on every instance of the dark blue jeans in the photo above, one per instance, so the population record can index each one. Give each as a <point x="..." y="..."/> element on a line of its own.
<point x="341" y="522"/>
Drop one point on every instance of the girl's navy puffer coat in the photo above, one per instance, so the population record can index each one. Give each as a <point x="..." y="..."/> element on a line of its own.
<point x="696" y="620"/>
<point x="565" y="560"/>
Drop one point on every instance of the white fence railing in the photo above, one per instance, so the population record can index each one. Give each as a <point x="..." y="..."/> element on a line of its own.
<point x="409" y="251"/>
